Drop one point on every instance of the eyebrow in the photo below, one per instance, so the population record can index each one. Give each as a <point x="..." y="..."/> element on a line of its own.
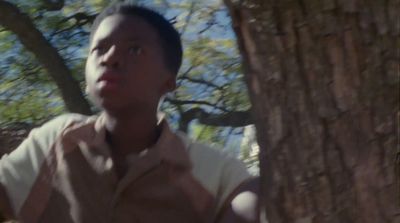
<point x="135" y="39"/>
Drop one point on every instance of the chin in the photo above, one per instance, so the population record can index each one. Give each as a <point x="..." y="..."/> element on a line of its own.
<point x="120" y="109"/>
<point x="110" y="107"/>
<point x="103" y="102"/>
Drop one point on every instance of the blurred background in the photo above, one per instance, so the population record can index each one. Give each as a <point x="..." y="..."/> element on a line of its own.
<point x="211" y="103"/>
<point x="305" y="92"/>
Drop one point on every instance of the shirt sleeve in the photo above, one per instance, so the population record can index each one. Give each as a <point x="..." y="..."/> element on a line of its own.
<point x="19" y="169"/>
<point x="234" y="173"/>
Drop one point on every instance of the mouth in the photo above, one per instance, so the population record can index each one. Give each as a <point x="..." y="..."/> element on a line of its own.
<point x="109" y="77"/>
<point x="108" y="81"/>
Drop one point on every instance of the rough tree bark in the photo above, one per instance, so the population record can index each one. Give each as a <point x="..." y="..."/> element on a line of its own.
<point x="323" y="78"/>
<point x="20" y="24"/>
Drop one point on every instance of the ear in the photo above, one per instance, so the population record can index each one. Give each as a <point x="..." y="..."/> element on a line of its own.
<point x="169" y="85"/>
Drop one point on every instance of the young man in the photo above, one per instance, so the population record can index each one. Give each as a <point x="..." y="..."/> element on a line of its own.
<point x="124" y="165"/>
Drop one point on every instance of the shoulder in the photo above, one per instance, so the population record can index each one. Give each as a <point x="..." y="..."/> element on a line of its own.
<point x="205" y="157"/>
<point x="43" y="136"/>
<point x="59" y="123"/>
<point x="20" y="168"/>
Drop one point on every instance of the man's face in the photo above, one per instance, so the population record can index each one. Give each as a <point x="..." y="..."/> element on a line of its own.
<point x="125" y="69"/>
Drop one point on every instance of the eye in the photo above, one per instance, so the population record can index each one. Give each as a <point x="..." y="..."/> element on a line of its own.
<point x="135" y="50"/>
<point x="100" y="49"/>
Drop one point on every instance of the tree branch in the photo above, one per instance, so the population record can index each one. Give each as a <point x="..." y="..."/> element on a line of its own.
<point x="201" y="81"/>
<point x="183" y="102"/>
<point x="20" y="24"/>
<point x="53" y="5"/>
<point x="188" y="18"/>
<point x="81" y="18"/>
<point x="231" y="119"/>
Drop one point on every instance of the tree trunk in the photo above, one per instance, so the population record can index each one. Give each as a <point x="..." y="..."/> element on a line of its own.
<point x="323" y="78"/>
<point x="21" y="25"/>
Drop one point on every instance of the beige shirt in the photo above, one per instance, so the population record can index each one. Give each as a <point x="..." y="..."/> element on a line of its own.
<point x="63" y="172"/>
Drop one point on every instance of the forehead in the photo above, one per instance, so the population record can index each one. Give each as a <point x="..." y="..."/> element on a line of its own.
<point x="125" y="27"/>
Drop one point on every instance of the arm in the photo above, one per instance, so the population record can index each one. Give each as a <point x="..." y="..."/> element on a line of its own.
<point x="20" y="168"/>
<point x="5" y="205"/>
<point x="238" y="194"/>
<point x="242" y="205"/>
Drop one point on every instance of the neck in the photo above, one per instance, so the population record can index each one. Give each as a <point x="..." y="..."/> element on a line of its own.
<point x="131" y="134"/>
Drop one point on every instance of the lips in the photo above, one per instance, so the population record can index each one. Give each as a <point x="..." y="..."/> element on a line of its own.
<point x="109" y="76"/>
<point x="108" y="81"/>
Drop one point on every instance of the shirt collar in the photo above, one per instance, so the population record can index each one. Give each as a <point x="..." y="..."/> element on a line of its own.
<point x="169" y="146"/>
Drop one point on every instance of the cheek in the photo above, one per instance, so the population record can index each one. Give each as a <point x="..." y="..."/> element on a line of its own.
<point x="89" y="73"/>
<point x="90" y="84"/>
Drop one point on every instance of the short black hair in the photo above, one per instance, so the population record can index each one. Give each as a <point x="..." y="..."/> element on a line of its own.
<point x="169" y="36"/>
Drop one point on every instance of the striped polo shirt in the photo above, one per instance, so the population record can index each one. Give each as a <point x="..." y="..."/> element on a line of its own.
<point x="63" y="172"/>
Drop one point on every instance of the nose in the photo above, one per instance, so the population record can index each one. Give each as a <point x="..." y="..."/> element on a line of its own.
<point x="111" y="58"/>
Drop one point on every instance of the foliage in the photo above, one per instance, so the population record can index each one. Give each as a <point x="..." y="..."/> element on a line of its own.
<point x="210" y="77"/>
<point x="250" y="149"/>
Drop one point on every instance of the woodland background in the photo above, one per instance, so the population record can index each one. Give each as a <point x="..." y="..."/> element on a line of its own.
<point x="319" y="79"/>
